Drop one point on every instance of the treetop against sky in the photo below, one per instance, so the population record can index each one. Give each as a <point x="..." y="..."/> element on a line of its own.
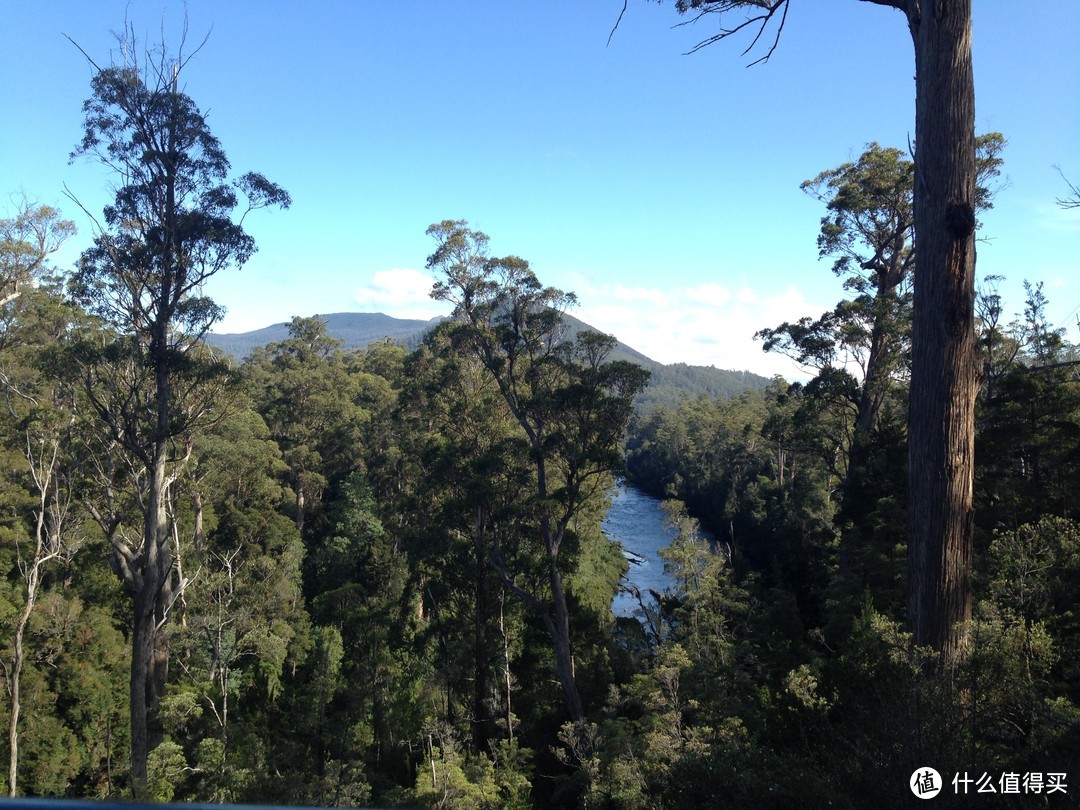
<point x="662" y="188"/>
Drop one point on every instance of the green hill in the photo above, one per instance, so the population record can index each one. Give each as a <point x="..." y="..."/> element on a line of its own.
<point x="357" y="330"/>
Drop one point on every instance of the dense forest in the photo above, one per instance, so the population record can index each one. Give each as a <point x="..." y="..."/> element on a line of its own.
<point x="378" y="576"/>
<point x="668" y="382"/>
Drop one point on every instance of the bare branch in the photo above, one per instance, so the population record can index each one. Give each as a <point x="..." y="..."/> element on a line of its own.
<point x="1073" y="200"/>
<point x="89" y="58"/>
<point x="769" y="9"/>
<point x="615" y="27"/>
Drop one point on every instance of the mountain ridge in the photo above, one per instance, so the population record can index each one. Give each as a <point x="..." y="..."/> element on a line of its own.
<point x="358" y="330"/>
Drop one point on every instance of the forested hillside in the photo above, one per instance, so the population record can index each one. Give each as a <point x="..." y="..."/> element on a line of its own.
<point x="376" y="576"/>
<point x="358" y="330"/>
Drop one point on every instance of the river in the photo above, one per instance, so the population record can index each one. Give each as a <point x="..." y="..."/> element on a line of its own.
<point x="637" y="523"/>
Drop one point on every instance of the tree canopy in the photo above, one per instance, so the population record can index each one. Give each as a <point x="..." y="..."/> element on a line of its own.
<point x="384" y="576"/>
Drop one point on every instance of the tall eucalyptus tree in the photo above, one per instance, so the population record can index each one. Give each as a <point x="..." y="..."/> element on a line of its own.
<point x="571" y="406"/>
<point x="941" y="420"/>
<point x="172" y="225"/>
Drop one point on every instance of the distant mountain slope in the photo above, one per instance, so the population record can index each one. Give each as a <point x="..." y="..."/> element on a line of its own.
<point x="671" y="382"/>
<point x="356" y="330"/>
<point x="675" y="381"/>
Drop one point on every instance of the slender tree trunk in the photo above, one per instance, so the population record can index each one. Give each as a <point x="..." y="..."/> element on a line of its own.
<point x="481" y="719"/>
<point x="16" y="678"/>
<point x="876" y="380"/>
<point x="300" y="507"/>
<point x="197" y="509"/>
<point x="942" y="396"/>
<point x="47" y="540"/>
<point x="869" y="405"/>
<point x="507" y="680"/>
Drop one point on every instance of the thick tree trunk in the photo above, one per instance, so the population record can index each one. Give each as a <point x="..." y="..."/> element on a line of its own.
<point x="560" y="635"/>
<point x="154" y="562"/>
<point x="147" y="658"/>
<point x="559" y="627"/>
<point x="942" y="397"/>
<point x="869" y="405"/>
<point x="142" y="630"/>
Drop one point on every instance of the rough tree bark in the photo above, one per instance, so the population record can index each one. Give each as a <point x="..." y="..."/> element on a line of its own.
<point x="941" y="423"/>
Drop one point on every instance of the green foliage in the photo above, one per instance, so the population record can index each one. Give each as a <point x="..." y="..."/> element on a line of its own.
<point x="27" y="241"/>
<point x="570" y="403"/>
<point x="1018" y="718"/>
<point x="1035" y="568"/>
<point x="1034" y="575"/>
<point x="398" y="649"/>
<point x="73" y="732"/>
<point x="310" y="399"/>
<point x="167" y="207"/>
<point x="598" y="564"/>
<point x="868" y="231"/>
<point x="1028" y="450"/>
<point x="167" y="768"/>
<point x="451" y="778"/>
<point x="243" y="622"/>
<point x="672" y="382"/>
<point x="806" y="635"/>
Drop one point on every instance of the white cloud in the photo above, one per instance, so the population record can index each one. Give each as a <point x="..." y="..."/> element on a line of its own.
<point x="401" y="293"/>
<point x="701" y="325"/>
<point x="747" y="296"/>
<point x="712" y="295"/>
<point x="645" y="294"/>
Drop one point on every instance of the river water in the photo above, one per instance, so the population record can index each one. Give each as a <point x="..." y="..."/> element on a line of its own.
<point x="637" y="523"/>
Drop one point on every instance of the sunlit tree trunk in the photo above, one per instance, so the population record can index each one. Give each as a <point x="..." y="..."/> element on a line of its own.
<point x="170" y="229"/>
<point x="33" y="580"/>
<point x="943" y="383"/>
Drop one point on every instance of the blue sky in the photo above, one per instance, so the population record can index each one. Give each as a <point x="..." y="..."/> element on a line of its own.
<point x="662" y="188"/>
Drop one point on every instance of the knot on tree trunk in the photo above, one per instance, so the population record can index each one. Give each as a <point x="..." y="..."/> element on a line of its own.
<point x="960" y="220"/>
